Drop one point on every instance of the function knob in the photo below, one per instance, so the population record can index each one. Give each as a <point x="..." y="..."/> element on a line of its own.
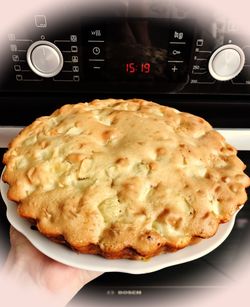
<point x="45" y="59"/>
<point x="226" y="62"/>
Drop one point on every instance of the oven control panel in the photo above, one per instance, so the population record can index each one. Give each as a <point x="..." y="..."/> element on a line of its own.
<point x="128" y="55"/>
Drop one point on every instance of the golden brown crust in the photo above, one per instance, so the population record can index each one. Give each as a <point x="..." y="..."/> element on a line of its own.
<point x="124" y="178"/>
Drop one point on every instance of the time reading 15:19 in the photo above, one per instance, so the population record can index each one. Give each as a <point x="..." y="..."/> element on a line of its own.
<point x="132" y="68"/>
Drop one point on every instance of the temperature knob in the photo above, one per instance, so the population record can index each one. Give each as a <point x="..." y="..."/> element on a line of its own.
<point x="226" y="62"/>
<point x="45" y="59"/>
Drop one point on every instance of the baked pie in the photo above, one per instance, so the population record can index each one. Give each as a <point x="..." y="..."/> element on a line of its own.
<point x="124" y="178"/>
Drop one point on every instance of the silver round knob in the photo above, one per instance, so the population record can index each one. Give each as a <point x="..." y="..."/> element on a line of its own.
<point x="226" y="62"/>
<point x="45" y="59"/>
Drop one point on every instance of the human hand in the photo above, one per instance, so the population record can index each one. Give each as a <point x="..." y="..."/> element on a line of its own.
<point x="33" y="272"/>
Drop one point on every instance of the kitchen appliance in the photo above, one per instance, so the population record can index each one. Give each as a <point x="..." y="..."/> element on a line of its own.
<point x="167" y="55"/>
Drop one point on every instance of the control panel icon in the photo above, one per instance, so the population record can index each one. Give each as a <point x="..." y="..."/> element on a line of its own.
<point x="11" y="37"/>
<point x="174" y="68"/>
<point x="96" y="50"/>
<point x="76" y="78"/>
<point x="74" y="49"/>
<point x="17" y="67"/>
<point x="96" y="33"/>
<point x="13" y="47"/>
<point x="19" y="77"/>
<point x="178" y="35"/>
<point x="199" y="42"/>
<point x="75" y="68"/>
<point x="73" y="38"/>
<point x="40" y="21"/>
<point x="75" y="59"/>
<point x="15" y="58"/>
<point x="176" y="52"/>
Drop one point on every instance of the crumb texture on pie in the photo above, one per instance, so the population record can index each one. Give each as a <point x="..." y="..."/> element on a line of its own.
<point x="124" y="178"/>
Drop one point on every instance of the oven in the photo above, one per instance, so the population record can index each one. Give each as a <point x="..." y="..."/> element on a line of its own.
<point x="166" y="55"/>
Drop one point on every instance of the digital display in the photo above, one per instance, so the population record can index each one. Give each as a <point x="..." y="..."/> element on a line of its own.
<point x="135" y="68"/>
<point x="148" y="50"/>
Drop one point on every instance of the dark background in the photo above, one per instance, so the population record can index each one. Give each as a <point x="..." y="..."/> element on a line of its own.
<point x="225" y="111"/>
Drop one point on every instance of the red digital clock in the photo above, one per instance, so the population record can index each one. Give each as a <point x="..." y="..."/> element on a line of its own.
<point x="133" y="68"/>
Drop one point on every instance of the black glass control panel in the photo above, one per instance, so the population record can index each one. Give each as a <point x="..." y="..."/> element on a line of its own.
<point x="138" y="50"/>
<point x="126" y="55"/>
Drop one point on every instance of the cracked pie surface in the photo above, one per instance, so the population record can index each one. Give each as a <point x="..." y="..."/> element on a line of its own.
<point x="124" y="178"/>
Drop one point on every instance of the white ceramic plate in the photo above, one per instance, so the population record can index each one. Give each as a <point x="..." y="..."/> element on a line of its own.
<point x="64" y="255"/>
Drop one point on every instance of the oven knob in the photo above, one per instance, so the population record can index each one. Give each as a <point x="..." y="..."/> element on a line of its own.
<point x="226" y="62"/>
<point x="45" y="59"/>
